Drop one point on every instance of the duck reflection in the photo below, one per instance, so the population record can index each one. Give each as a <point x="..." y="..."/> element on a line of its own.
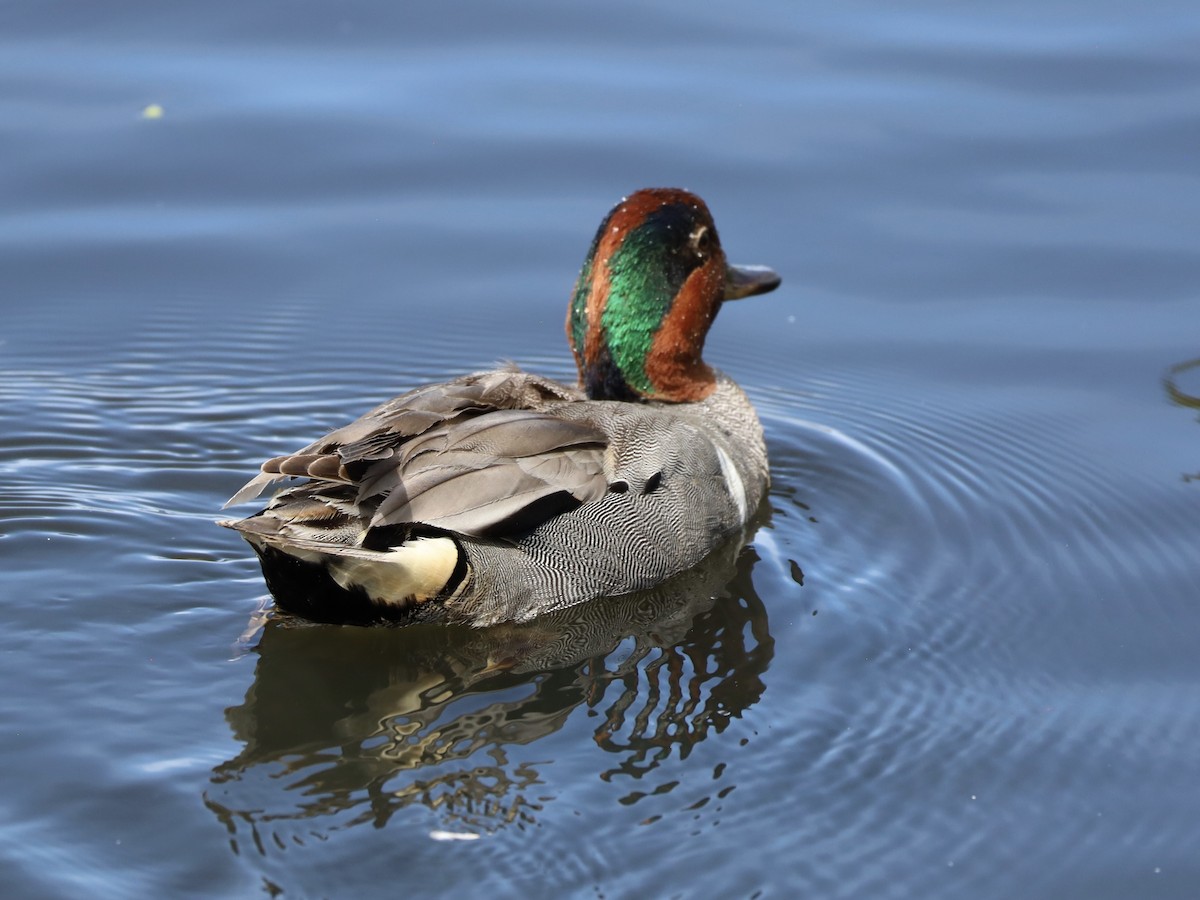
<point x="358" y="723"/>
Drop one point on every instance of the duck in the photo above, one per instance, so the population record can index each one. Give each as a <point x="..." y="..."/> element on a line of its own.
<point x="503" y="495"/>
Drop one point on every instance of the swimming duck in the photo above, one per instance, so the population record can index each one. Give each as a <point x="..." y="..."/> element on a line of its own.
<point x="501" y="495"/>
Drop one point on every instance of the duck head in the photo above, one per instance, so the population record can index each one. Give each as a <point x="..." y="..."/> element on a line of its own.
<point x="648" y="292"/>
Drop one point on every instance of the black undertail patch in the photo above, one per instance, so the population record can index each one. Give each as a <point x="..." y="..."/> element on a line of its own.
<point x="307" y="589"/>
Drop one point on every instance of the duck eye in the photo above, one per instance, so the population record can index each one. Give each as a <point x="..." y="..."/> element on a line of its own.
<point x="701" y="240"/>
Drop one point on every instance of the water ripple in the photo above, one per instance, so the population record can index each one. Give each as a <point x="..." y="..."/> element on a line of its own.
<point x="980" y="521"/>
<point x="904" y="592"/>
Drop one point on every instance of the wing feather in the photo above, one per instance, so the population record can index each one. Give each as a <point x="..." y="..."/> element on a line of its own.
<point x="484" y="455"/>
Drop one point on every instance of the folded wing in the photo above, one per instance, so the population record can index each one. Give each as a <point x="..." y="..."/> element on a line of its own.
<point x="484" y="456"/>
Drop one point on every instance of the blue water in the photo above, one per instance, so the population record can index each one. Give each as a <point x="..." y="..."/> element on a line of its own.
<point x="958" y="658"/>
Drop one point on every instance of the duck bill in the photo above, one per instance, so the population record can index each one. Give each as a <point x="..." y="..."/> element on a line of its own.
<point x="746" y="281"/>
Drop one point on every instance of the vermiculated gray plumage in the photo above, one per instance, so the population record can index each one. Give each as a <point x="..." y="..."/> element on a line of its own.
<point x="549" y="499"/>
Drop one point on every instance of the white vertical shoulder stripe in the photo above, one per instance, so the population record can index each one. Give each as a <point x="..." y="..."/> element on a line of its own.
<point x="733" y="481"/>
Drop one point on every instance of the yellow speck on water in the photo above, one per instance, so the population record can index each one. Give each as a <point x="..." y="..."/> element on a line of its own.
<point x="153" y="111"/>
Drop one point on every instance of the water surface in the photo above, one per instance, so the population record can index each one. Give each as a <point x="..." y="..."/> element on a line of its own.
<point x="957" y="657"/>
